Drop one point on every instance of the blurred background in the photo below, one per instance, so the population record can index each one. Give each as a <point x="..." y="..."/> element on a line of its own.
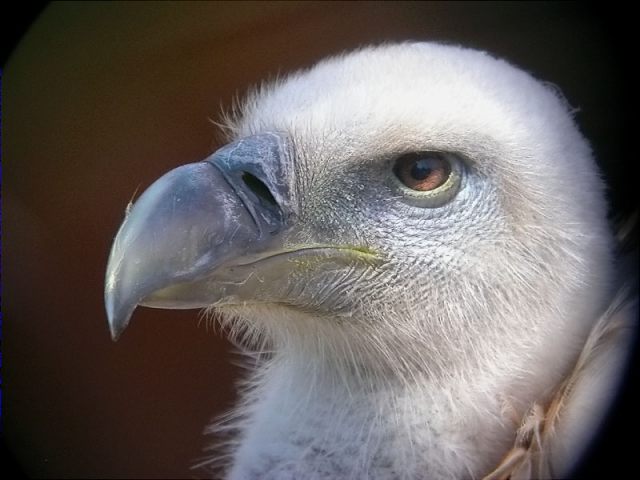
<point x="100" y="99"/>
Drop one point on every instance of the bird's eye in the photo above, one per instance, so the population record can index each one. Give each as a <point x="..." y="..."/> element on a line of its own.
<point x="422" y="172"/>
<point x="428" y="179"/>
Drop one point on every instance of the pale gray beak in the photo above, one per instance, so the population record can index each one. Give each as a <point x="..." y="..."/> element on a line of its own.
<point x="194" y="219"/>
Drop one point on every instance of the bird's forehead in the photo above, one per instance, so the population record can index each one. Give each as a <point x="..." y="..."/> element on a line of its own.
<point x="401" y="97"/>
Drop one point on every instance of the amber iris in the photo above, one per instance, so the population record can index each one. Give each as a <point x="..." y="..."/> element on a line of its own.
<point x="422" y="172"/>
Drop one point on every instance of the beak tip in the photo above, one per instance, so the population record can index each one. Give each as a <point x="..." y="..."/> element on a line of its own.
<point x="117" y="326"/>
<point x="115" y="332"/>
<point x="114" y="337"/>
<point x="118" y="318"/>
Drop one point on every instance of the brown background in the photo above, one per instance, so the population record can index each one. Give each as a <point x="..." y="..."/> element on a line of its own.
<point x="100" y="99"/>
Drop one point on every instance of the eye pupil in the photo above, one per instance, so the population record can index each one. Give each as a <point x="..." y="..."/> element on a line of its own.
<point x="423" y="172"/>
<point x="421" y="169"/>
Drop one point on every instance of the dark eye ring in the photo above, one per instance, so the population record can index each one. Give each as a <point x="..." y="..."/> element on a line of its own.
<point x="427" y="179"/>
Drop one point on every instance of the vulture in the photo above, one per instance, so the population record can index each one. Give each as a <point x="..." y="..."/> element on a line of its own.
<point x="410" y="243"/>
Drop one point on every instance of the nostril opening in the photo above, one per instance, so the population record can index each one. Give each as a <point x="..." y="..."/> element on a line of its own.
<point x="259" y="188"/>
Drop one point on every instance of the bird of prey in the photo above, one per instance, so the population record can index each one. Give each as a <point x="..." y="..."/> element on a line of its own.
<point x="410" y="240"/>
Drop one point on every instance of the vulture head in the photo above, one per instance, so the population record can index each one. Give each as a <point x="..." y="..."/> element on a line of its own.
<point x="412" y="241"/>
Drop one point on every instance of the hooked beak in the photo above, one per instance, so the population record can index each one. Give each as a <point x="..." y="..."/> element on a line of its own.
<point x="194" y="219"/>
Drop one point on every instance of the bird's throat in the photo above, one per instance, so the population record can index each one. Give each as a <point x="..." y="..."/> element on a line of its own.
<point x="310" y="425"/>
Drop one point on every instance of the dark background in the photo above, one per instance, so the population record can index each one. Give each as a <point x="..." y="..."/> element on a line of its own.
<point x="100" y="99"/>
